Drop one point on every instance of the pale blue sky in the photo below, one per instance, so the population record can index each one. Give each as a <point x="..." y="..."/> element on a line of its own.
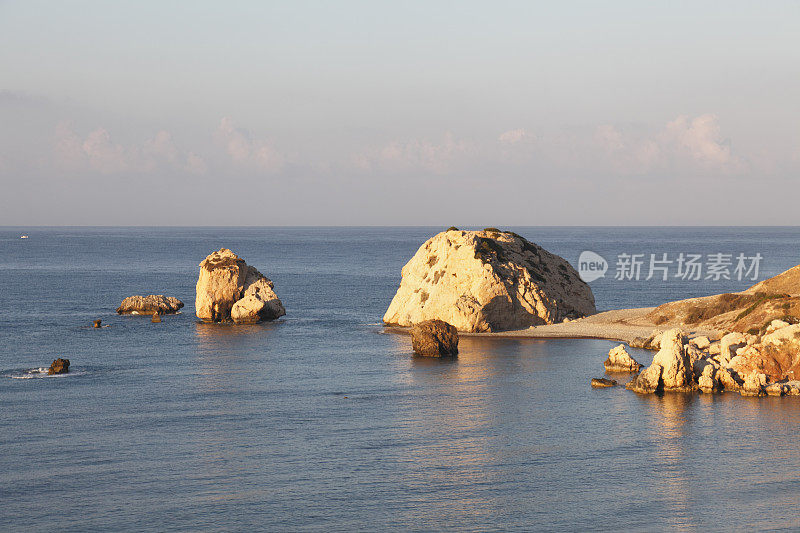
<point x="399" y="113"/>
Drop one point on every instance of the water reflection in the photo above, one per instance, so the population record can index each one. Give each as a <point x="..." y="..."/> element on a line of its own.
<point x="668" y="415"/>
<point x="457" y="422"/>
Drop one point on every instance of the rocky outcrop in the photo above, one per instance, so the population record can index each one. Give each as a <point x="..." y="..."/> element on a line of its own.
<point x="744" y="363"/>
<point x="434" y="338"/>
<point x="487" y="281"/>
<point x="147" y="305"/>
<point x="619" y="360"/>
<point x="228" y="289"/>
<point x="671" y="369"/>
<point x="59" y="366"/>
<point x="599" y="383"/>
<point x="707" y="381"/>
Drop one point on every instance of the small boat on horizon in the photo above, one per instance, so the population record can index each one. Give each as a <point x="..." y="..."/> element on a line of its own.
<point x="23" y="236"/>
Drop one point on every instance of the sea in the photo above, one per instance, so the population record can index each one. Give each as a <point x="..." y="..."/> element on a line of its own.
<point x="322" y="421"/>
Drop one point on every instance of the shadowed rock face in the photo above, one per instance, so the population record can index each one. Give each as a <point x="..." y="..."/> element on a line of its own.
<point x="230" y="290"/>
<point x="59" y="366"/>
<point x="434" y="338"/>
<point x="487" y="281"/>
<point x="148" y="305"/>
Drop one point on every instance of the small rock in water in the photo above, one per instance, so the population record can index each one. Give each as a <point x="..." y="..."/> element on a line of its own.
<point x="59" y="366"/>
<point x="619" y="360"/>
<point x="603" y="382"/>
<point x="156" y="318"/>
<point x="96" y="323"/>
<point x="434" y="338"/>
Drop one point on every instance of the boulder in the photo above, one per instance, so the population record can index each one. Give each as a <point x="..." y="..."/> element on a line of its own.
<point x="59" y="366"/>
<point x="598" y="383"/>
<point x="728" y="345"/>
<point x="754" y="384"/>
<point x="674" y="358"/>
<point x="653" y="342"/>
<point x="620" y="361"/>
<point x="647" y="381"/>
<point x="707" y="380"/>
<point x="775" y="325"/>
<point x="147" y="305"/>
<point x="729" y="379"/>
<point x="229" y="289"/>
<point x="434" y="338"/>
<point x="701" y="343"/>
<point x="97" y="324"/>
<point x="487" y="281"/>
<point x="671" y="369"/>
<point x="156" y="318"/>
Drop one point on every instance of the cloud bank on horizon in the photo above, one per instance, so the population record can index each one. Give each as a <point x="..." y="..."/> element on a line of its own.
<point x="330" y="119"/>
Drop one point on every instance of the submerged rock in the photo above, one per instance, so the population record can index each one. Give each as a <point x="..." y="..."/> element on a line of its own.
<point x="434" y="338"/>
<point x="229" y="289"/>
<point x="619" y="360"/>
<point x="147" y="305"/>
<point x="487" y="281"/>
<point x="156" y="318"/>
<point x="59" y="366"/>
<point x="599" y="383"/>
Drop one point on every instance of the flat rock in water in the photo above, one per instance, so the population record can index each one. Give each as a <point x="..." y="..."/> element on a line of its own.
<point x="147" y="305"/>
<point x="603" y="382"/>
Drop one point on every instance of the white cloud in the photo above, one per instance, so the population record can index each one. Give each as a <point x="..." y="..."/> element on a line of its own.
<point x="700" y="140"/>
<point x="244" y="150"/>
<point x="438" y="157"/>
<point x="513" y="136"/>
<point x="682" y="145"/>
<point x="99" y="152"/>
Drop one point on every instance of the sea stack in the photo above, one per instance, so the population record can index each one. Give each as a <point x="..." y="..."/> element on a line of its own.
<point x="228" y="289"/>
<point x="490" y="280"/>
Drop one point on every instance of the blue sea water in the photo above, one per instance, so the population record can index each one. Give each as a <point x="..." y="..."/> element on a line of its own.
<point x="320" y="421"/>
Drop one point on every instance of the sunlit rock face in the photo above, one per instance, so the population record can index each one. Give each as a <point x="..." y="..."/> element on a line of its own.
<point x="230" y="290"/>
<point x="487" y="281"/>
<point x="148" y="305"/>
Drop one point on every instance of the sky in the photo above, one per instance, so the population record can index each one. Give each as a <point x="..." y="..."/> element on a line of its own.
<point x="399" y="113"/>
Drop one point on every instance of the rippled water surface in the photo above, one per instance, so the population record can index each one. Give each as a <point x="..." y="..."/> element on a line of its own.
<point x="321" y="422"/>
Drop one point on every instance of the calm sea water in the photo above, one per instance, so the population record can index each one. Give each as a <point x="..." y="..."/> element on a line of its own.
<point x="320" y="422"/>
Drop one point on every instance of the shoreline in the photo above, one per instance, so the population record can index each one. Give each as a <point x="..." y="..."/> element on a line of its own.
<point x="621" y="325"/>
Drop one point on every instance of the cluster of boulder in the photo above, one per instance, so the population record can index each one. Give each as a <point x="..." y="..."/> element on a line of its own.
<point x="751" y="364"/>
<point x="490" y="280"/>
<point x="228" y="289"/>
